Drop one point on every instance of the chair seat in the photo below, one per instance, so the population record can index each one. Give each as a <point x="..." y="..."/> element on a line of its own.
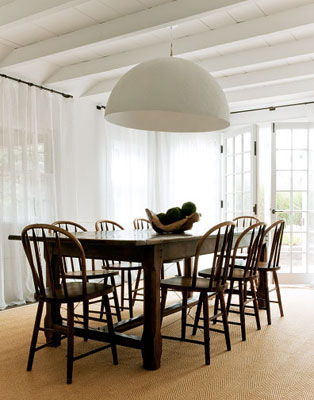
<point x="75" y="292"/>
<point x="239" y="274"/>
<point x="264" y="267"/>
<point x="183" y="282"/>
<point x="90" y="274"/>
<point x="126" y="266"/>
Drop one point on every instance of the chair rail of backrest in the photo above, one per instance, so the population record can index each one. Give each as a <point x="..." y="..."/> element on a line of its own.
<point x="71" y="226"/>
<point x="141" y="224"/>
<point x="38" y="240"/>
<point x="245" y="220"/>
<point x="254" y="248"/>
<point x="275" y="230"/>
<point x="107" y="225"/>
<point x="221" y="255"/>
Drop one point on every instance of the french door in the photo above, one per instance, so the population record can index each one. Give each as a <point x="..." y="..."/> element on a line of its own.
<point x="292" y="195"/>
<point x="239" y="173"/>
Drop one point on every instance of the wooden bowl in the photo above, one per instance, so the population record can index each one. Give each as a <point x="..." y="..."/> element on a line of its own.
<point x="176" y="227"/>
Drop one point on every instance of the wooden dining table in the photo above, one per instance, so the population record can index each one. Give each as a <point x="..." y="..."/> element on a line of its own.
<point x="151" y="250"/>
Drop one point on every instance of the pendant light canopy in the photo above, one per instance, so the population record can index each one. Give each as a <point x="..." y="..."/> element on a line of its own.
<point x="168" y="95"/>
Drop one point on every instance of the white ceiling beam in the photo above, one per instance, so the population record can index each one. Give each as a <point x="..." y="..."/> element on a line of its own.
<point x="217" y="37"/>
<point x="271" y="91"/>
<point x="164" y="15"/>
<point x="270" y="75"/>
<point x="264" y="76"/>
<point x="21" y="11"/>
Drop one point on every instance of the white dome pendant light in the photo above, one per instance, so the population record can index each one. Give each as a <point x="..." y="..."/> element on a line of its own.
<point x="168" y="94"/>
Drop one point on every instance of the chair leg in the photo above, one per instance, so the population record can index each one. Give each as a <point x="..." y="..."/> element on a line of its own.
<point x="70" y="335"/>
<point x="130" y="293"/>
<point x="216" y="309"/>
<point x="230" y="296"/>
<point x="206" y="328"/>
<point x="137" y="283"/>
<point x="197" y="315"/>
<point x="115" y="298"/>
<point x="164" y="292"/>
<point x="255" y="302"/>
<point x="278" y="293"/>
<point x="242" y="311"/>
<point x="267" y="301"/>
<point x="35" y="336"/>
<point x="122" y="290"/>
<point x="183" y="314"/>
<point x="225" y="319"/>
<point x="85" y="317"/>
<point x="162" y="272"/>
<point x="179" y="269"/>
<point x="110" y="329"/>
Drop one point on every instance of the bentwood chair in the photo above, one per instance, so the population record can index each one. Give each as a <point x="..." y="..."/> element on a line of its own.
<point x="242" y="273"/>
<point x="38" y="241"/>
<point x="125" y="269"/>
<point x="244" y="222"/>
<point x="211" y="288"/>
<point x="91" y="273"/>
<point x="274" y="233"/>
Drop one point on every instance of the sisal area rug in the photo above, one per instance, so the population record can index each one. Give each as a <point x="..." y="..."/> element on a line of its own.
<point x="274" y="363"/>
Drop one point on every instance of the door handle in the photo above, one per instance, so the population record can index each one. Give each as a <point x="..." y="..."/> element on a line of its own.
<point x="276" y="211"/>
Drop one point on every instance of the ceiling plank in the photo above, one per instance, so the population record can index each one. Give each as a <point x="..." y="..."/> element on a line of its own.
<point x="21" y="11"/>
<point x="271" y="91"/>
<point x="266" y="75"/>
<point x="246" y="30"/>
<point x="164" y="15"/>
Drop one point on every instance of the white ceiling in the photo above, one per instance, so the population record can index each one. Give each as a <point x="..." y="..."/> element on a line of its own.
<point x="260" y="51"/>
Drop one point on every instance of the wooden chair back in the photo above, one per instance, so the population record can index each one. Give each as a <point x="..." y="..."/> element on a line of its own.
<point x="71" y="226"/>
<point x="106" y="225"/>
<point x="221" y="256"/>
<point x="275" y="234"/>
<point x="254" y="235"/>
<point x="35" y="239"/>
<point x="245" y="221"/>
<point x="141" y="224"/>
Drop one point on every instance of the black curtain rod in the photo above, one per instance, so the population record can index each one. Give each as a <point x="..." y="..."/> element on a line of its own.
<point x="270" y="108"/>
<point x="67" y="96"/>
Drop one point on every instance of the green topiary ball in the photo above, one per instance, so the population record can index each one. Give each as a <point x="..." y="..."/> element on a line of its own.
<point x="173" y="214"/>
<point x="162" y="218"/>
<point x="188" y="208"/>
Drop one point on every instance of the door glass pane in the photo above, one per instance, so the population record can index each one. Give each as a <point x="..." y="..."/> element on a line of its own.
<point x="238" y="144"/>
<point x="299" y="138"/>
<point x="283" y="159"/>
<point x="238" y="164"/>
<point x="283" y="139"/>
<point x="247" y="141"/>
<point x="247" y="202"/>
<point x="299" y="159"/>
<point x="238" y="201"/>
<point x="283" y="201"/>
<point x="230" y="146"/>
<point x="230" y="202"/>
<point x="298" y="262"/>
<point x="299" y="200"/>
<point x="299" y="180"/>
<point x="246" y="182"/>
<point x="298" y="221"/>
<point x="247" y="162"/>
<point x="229" y="165"/>
<point x="283" y="180"/>
<point x="229" y="185"/>
<point x="238" y="183"/>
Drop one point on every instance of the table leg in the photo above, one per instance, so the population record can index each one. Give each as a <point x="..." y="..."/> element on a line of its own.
<point x="151" y="339"/>
<point x="53" y="315"/>
<point x="188" y="271"/>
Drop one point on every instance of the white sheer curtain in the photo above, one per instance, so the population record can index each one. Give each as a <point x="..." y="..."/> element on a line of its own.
<point x="159" y="171"/>
<point x="36" y="165"/>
